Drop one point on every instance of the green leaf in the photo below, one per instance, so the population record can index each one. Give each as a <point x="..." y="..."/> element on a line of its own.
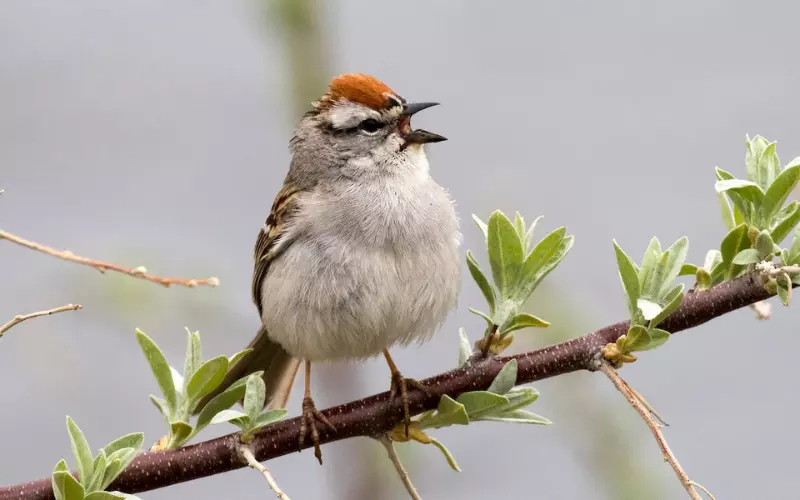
<point x="726" y="211"/>
<point x="748" y="190"/>
<point x="630" y="279"/>
<point x="269" y="417"/>
<point x="657" y="278"/>
<point x="180" y="432"/>
<point x="81" y="452"/>
<point x="105" y="495"/>
<point x="194" y="354"/>
<point x="477" y="402"/>
<point x="254" y="396"/>
<point x="451" y="460"/>
<point x="99" y="468"/>
<point x="236" y="417"/>
<point x="505" y="253"/>
<point x="238" y="356"/>
<point x="636" y="339"/>
<point x="649" y="260"/>
<point x="784" y="288"/>
<point x="133" y="440"/>
<point x="743" y="209"/>
<point x="649" y="308"/>
<point x="177" y="379"/>
<point x="780" y="189"/>
<point x="481" y="225"/>
<point x="519" y="397"/>
<point x="673" y="301"/>
<point x="794" y="252"/>
<point x="747" y="256"/>
<point x="785" y="222"/>
<point x="704" y="280"/>
<point x="541" y="254"/>
<point x="688" y="270"/>
<point x="61" y="466"/>
<point x="505" y="379"/>
<point x="489" y="321"/>
<point x="519" y="417"/>
<point x="117" y="462"/>
<point x="657" y="338"/>
<point x="734" y="242"/>
<point x="523" y="320"/>
<point x="464" y="347"/>
<point x="534" y="271"/>
<point x="221" y="402"/>
<point x="482" y="281"/>
<point x="526" y="242"/>
<point x="677" y="256"/>
<point x="449" y="412"/>
<point x="161" y="405"/>
<point x="58" y="488"/>
<point x="207" y="378"/>
<point x="160" y="367"/>
<point x="764" y="245"/>
<point x="66" y="486"/>
<point x="519" y="225"/>
<point x="713" y="257"/>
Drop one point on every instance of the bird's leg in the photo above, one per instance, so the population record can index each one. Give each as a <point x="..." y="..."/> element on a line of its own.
<point x="309" y="417"/>
<point x="399" y="385"/>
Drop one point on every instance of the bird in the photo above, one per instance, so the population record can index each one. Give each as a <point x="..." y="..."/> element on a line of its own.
<point x="360" y="251"/>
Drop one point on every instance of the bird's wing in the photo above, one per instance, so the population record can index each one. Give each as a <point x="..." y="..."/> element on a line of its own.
<point x="274" y="237"/>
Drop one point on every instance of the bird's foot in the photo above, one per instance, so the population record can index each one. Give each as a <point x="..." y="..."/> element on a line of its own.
<point x="308" y="423"/>
<point x="400" y="387"/>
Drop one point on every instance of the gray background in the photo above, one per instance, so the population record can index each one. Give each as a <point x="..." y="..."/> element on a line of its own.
<point x="154" y="133"/>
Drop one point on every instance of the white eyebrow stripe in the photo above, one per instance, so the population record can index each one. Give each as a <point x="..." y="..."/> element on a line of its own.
<point x="348" y="114"/>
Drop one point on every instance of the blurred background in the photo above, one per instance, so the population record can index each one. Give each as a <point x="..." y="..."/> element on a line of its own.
<point x="155" y="133"/>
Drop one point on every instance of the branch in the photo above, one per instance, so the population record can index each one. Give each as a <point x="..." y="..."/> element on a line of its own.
<point x="22" y="317"/>
<point x="137" y="272"/>
<point x="398" y="465"/>
<point x="247" y="454"/>
<point x="644" y="412"/>
<point x="372" y="416"/>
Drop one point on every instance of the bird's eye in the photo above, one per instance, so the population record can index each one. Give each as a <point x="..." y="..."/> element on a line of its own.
<point x="369" y="126"/>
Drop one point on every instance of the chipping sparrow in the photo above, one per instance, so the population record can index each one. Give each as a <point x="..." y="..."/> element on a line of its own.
<point x="360" y="250"/>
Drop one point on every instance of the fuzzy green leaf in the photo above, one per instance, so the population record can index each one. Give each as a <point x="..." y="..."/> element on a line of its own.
<point x="743" y="209"/>
<point x="677" y="256"/>
<point x="794" y="251"/>
<point x="519" y="417"/>
<point x="449" y="412"/>
<point x="482" y="281"/>
<point x="734" y="242"/>
<point x="269" y="417"/>
<point x="519" y="225"/>
<point x="785" y="222"/>
<point x="746" y="257"/>
<point x="98" y="469"/>
<point x="478" y="402"/>
<point x="526" y="242"/>
<point x="194" y="354"/>
<point x="505" y="253"/>
<point x="780" y="189"/>
<point x="726" y="211"/>
<point x="221" y="402"/>
<point x="481" y="225"/>
<point x="489" y="321"/>
<point x="161" y="370"/>
<point x="236" y="417"/>
<point x="540" y="257"/>
<point x="520" y="397"/>
<point x="630" y="279"/>
<point x="180" y="432"/>
<point x="704" y="280"/>
<point x="105" y="495"/>
<point x="713" y="257"/>
<point x="688" y="270"/>
<point x="672" y="301"/>
<point x="528" y="286"/>
<point x="254" y="396"/>
<point x="505" y="379"/>
<point x="649" y="260"/>
<point x="764" y="245"/>
<point x="67" y="487"/>
<point x="748" y="190"/>
<point x="81" y="452"/>
<point x="636" y="339"/>
<point x="657" y="339"/>
<point x="232" y="360"/>
<point x="523" y="320"/>
<point x="133" y="440"/>
<point x="207" y="378"/>
<point x="649" y="308"/>
<point x="451" y="460"/>
<point x="657" y="277"/>
<point x="784" y="288"/>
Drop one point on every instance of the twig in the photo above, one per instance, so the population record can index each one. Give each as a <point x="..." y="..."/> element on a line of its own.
<point x="136" y="272"/>
<point x="372" y="416"/>
<point x="398" y="465"/>
<point x="630" y="395"/>
<point x="22" y="317"/>
<point x="247" y="454"/>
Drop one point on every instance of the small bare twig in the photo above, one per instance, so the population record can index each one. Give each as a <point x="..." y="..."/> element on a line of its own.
<point x="136" y="272"/>
<point x="247" y="454"/>
<point x="398" y="465"/>
<point x="22" y="317"/>
<point x="630" y="395"/>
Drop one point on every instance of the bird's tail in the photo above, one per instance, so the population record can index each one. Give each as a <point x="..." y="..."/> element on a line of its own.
<point x="279" y="367"/>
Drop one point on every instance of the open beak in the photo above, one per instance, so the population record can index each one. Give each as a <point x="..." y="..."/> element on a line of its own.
<point x="418" y="136"/>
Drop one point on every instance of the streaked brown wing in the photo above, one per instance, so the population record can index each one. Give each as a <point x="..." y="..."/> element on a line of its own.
<point x="272" y="238"/>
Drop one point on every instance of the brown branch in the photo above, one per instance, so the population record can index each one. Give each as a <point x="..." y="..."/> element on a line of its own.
<point x="372" y="416"/>
<point x="22" y="317"/>
<point x="137" y="272"/>
<point x="644" y="412"/>
<point x="398" y="466"/>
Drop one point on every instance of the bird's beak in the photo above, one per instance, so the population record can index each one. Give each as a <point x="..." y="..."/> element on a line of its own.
<point x="418" y="136"/>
